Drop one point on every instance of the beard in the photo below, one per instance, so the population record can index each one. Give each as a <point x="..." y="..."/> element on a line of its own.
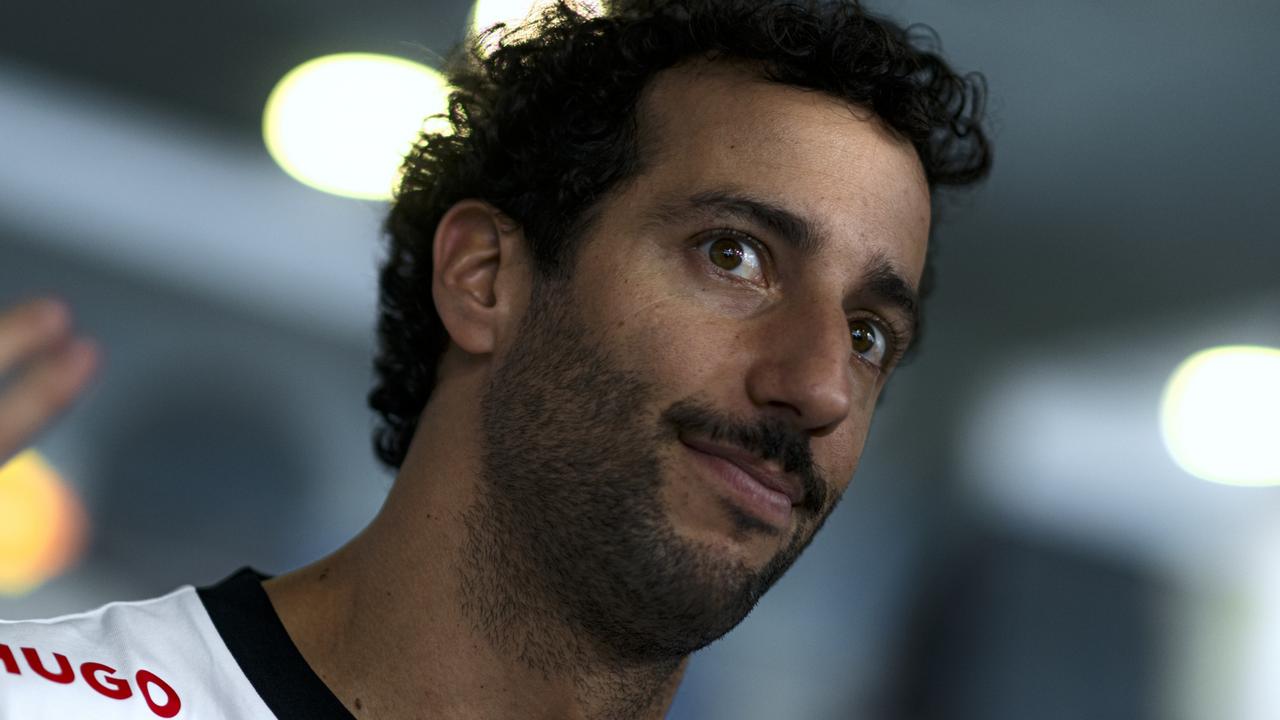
<point x="570" y="551"/>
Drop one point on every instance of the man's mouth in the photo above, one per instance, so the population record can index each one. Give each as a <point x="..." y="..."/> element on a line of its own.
<point x="759" y="488"/>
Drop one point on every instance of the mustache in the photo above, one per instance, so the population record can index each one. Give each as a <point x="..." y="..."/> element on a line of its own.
<point x="770" y="438"/>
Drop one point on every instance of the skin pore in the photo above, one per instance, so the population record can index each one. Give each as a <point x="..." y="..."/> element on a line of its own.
<point x="550" y="548"/>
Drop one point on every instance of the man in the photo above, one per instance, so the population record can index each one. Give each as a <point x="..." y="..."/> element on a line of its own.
<point x="637" y="311"/>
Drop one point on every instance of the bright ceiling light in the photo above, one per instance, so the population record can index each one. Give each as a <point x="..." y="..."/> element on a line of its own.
<point x="42" y="524"/>
<point x="1221" y="415"/>
<point x="343" y="123"/>
<point x="514" y="13"/>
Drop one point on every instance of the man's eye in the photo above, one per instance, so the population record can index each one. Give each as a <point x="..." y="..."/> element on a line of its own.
<point x="869" y="341"/>
<point x="736" y="256"/>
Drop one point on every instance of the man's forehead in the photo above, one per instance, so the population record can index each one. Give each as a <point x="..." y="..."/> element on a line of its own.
<point x="720" y="131"/>
<point x="734" y="100"/>
<point x="727" y="117"/>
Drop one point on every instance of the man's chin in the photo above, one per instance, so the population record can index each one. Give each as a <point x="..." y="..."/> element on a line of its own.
<point x="701" y="608"/>
<point x="726" y="578"/>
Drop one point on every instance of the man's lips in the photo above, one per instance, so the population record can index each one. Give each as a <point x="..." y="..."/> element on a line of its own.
<point x="767" y="474"/>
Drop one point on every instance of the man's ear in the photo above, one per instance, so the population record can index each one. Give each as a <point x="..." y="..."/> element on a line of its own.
<point x="480" y="279"/>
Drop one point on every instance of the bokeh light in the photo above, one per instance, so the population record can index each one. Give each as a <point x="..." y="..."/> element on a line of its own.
<point x="42" y="524"/>
<point x="343" y="123"/>
<point x="1221" y="415"/>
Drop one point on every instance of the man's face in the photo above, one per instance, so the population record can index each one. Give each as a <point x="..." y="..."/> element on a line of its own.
<point x="740" y="295"/>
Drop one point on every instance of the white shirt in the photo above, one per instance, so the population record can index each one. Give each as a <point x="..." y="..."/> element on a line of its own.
<point x="216" y="653"/>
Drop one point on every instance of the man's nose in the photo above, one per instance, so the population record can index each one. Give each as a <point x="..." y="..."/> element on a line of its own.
<point x="804" y="368"/>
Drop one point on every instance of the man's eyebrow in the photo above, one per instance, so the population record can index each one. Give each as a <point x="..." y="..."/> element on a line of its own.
<point x="788" y="226"/>
<point x="881" y="280"/>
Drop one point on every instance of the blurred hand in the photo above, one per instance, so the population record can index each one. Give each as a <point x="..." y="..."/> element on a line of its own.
<point x="42" y="369"/>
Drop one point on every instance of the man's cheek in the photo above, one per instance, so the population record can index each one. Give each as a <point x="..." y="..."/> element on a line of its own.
<point x="844" y="451"/>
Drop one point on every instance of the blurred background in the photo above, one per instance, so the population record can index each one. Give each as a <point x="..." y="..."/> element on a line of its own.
<point x="1046" y="524"/>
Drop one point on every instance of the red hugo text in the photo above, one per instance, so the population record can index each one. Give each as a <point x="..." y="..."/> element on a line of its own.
<point x="157" y="693"/>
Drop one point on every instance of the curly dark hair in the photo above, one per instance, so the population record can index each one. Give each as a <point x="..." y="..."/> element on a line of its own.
<point x="545" y="125"/>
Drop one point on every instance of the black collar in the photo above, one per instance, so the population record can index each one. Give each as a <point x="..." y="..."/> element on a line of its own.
<point x="251" y="630"/>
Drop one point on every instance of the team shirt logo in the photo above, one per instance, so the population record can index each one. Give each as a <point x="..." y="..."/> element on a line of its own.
<point x="158" y="694"/>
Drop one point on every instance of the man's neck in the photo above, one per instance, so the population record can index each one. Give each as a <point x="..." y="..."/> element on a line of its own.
<point x="385" y="623"/>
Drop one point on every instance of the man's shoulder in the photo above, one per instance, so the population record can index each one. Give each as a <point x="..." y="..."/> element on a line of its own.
<point x="160" y="657"/>
<point x="113" y="616"/>
<point x="124" y="628"/>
